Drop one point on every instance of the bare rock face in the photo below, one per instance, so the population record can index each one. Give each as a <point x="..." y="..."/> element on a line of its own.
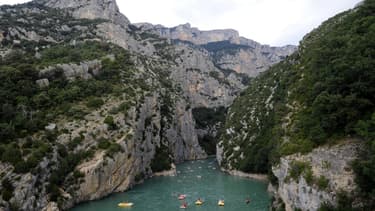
<point x="186" y="33"/>
<point x="52" y="206"/>
<point x="183" y="137"/>
<point x="203" y="83"/>
<point x="84" y="70"/>
<point x="1" y="36"/>
<point x="42" y="82"/>
<point x="331" y="173"/>
<point x="139" y="136"/>
<point x="114" y="33"/>
<point x="227" y="49"/>
<point x="93" y="9"/>
<point x="252" y="59"/>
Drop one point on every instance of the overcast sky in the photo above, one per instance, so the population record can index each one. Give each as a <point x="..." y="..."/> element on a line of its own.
<point x="275" y="22"/>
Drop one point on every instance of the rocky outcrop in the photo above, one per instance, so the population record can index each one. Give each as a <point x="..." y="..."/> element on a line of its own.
<point x="251" y="61"/>
<point x="42" y="82"/>
<point x="261" y="177"/>
<point x="186" y="33"/>
<point x="203" y="83"/>
<point x="23" y="34"/>
<point x="93" y="9"/>
<point x="84" y="70"/>
<point x="172" y="172"/>
<point x="52" y="206"/>
<point x="114" y="33"/>
<point x="331" y="174"/>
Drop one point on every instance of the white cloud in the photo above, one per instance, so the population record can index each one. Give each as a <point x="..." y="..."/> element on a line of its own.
<point x="12" y="1"/>
<point x="275" y="22"/>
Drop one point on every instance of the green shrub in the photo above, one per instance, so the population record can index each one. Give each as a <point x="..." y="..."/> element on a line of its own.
<point x="75" y="142"/>
<point x="32" y="161"/>
<point x="124" y="106"/>
<point x="7" y="195"/>
<point x="54" y="192"/>
<point x="22" y="167"/>
<point x="302" y="145"/>
<point x="344" y="203"/>
<point x="113" y="149"/>
<point x="297" y="168"/>
<point x="12" y="154"/>
<point x="94" y="102"/>
<point x="205" y="117"/>
<point x="7" y="189"/>
<point x="161" y="160"/>
<point x="322" y="182"/>
<point x="308" y="175"/>
<point x="364" y="166"/>
<point x="104" y="143"/>
<point x="110" y="122"/>
<point x="78" y="174"/>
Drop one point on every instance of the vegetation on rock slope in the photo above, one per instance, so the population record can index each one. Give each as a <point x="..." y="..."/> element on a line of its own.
<point x="27" y="108"/>
<point x="320" y="94"/>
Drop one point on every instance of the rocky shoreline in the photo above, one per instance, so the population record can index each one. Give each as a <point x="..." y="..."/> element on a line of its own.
<point x="261" y="177"/>
<point x="167" y="173"/>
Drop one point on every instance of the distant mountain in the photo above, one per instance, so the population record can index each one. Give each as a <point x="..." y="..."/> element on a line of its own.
<point x="228" y="50"/>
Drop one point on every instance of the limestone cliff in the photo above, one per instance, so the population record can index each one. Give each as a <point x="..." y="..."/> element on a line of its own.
<point x="96" y="9"/>
<point x="186" y="33"/>
<point x="228" y="50"/>
<point x="325" y="173"/>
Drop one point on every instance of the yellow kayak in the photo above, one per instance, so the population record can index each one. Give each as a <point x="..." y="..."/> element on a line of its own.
<point x="221" y="203"/>
<point x="125" y="204"/>
<point x="198" y="202"/>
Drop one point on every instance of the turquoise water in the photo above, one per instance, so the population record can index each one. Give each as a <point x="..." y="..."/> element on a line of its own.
<point x="195" y="179"/>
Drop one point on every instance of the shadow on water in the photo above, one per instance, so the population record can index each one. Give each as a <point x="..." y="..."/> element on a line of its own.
<point x="197" y="179"/>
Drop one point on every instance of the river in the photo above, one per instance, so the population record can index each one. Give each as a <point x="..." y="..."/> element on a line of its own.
<point x="195" y="179"/>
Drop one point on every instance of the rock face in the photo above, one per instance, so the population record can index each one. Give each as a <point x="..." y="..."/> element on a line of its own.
<point x="105" y="175"/>
<point x="250" y="60"/>
<point x="93" y="9"/>
<point x="85" y="70"/>
<point x="186" y="33"/>
<point x="331" y="163"/>
<point x="227" y="49"/>
<point x="203" y="83"/>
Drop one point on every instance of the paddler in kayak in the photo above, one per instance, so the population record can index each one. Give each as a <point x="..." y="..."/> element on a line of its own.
<point x="184" y="205"/>
<point x="199" y="201"/>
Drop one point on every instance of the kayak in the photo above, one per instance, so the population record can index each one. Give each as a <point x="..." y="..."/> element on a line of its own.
<point x="220" y="203"/>
<point x="125" y="204"/>
<point x="198" y="202"/>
